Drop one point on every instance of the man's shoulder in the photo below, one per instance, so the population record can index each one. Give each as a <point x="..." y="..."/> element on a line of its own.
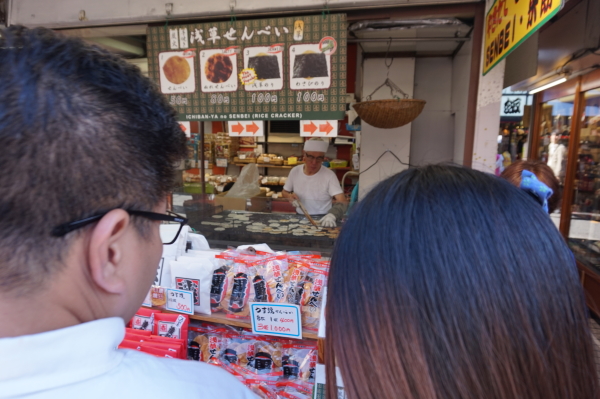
<point x="327" y="172"/>
<point x="296" y="170"/>
<point x="168" y="375"/>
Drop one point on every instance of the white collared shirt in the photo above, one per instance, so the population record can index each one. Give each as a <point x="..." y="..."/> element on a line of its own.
<point x="83" y="362"/>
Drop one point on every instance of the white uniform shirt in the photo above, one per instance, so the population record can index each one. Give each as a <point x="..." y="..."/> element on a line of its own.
<point x="314" y="191"/>
<point x="83" y="362"/>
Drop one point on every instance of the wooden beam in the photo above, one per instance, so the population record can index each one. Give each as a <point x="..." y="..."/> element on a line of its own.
<point x="534" y="142"/>
<point x="474" y="77"/>
<point x="572" y="162"/>
<point x="463" y="10"/>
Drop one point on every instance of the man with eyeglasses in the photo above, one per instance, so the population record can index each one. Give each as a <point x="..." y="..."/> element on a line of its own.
<point x="88" y="152"/>
<point x="315" y="186"/>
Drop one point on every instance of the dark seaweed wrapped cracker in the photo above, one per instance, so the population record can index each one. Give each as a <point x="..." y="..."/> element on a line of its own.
<point x="312" y="65"/>
<point x="265" y="66"/>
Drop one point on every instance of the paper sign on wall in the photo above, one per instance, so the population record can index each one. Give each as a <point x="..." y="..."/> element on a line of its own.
<point x="313" y="128"/>
<point x="246" y="128"/>
<point x="280" y="320"/>
<point x="180" y="301"/>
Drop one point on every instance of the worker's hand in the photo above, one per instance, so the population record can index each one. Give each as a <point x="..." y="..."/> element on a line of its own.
<point x="328" y="220"/>
<point x="293" y="198"/>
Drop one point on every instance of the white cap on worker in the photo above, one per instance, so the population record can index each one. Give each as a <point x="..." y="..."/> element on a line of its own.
<point x="316" y="145"/>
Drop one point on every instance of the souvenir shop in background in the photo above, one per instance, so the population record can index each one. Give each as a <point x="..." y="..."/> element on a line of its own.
<point x="562" y="72"/>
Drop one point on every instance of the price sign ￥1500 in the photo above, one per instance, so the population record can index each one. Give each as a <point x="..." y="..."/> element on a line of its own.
<point x="280" y="320"/>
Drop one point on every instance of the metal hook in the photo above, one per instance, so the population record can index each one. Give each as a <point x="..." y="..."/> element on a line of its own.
<point x="168" y="11"/>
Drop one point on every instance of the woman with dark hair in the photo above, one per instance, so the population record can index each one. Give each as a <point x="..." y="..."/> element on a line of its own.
<point x="450" y="283"/>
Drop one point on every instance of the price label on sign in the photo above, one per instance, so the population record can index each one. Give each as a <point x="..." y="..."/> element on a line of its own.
<point x="147" y="301"/>
<point x="280" y="320"/>
<point x="180" y="301"/>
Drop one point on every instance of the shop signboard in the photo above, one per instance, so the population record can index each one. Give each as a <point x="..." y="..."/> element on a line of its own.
<point x="513" y="106"/>
<point x="265" y="69"/>
<point x="509" y="23"/>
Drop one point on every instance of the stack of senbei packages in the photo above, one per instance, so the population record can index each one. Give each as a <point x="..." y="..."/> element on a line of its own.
<point x="244" y="277"/>
<point x="159" y="334"/>
<point x="269" y="366"/>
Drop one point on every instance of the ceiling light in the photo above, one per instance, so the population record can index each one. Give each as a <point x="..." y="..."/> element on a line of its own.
<point x="547" y="86"/>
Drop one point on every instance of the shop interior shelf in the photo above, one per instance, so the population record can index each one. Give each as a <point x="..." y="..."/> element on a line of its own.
<point x="222" y="319"/>
<point x="260" y="165"/>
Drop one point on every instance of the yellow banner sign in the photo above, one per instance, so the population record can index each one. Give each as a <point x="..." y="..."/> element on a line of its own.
<point x="510" y="22"/>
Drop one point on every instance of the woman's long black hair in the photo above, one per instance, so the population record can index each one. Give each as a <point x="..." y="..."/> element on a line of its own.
<point x="451" y="283"/>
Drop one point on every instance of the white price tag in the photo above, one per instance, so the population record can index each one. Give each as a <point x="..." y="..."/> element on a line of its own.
<point x="205" y="164"/>
<point x="242" y="157"/>
<point x="222" y="162"/>
<point x="278" y="319"/>
<point x="266" y="160"/>
<point x="148" y="300"/>
<point x="180" y="301"/>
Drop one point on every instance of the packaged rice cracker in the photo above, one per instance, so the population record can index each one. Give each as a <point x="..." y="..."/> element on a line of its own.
<point x="171" y="326"/>
<point x="239" y="291"/>
<point x="314" y="284"/>
<point x="268" y="353"/>
<point x="144" y="319"/>
<point x="299" y="360"/>
<point x="205" y="343"/>
<point x="295" y="289"/>
<point x="296" y="390"/>
<point x="195" y="275"/>
<point x="264" y="389"/>
<point x="235" y="350"/>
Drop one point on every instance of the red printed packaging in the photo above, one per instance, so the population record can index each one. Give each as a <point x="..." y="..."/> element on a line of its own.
<point x="174" y="348"/>
<point x="158" y="352"/>
<point x="312" y="301"/>
<point x="146" y="333"/>
<point x="144" y="319"/>
<point x="171" y="326"/>
<point x="136" y="337"/>
<point x="299" y="361"/>
<point x="239" y="291"/>
<point x="265" y="389"/>
<point x="126" y="344"/>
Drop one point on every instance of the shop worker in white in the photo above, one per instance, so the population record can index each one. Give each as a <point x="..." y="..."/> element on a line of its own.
<point x="315" y="186"/>
<point x="88" y="154"/>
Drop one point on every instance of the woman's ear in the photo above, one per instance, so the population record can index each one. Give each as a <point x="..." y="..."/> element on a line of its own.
<point x="106" y="247"/>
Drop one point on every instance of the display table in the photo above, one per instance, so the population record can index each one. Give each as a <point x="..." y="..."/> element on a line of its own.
<point x="289" y="231"/>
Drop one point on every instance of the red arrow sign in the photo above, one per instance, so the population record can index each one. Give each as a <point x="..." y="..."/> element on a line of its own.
<point x="311" y="128"/>
<point x="327" y="128"/>
<point x="253" y="128"/>
<point x="239" y="128"/>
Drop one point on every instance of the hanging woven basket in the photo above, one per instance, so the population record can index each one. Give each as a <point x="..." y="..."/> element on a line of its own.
<point x="388" y="114"/>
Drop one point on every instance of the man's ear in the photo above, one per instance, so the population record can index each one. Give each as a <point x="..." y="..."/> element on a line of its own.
<point x="105" y="251"/>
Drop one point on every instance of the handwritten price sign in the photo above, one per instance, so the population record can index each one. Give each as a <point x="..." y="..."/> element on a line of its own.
<point x="180" y="301"/>
<point x="280" y="320"/>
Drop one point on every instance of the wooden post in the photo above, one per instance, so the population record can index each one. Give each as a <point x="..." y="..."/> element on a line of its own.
<point x="534" y="142"/>
<point x="477" y="43"/>
<point x="202" y="171"/>
<point x="572" y="161"/>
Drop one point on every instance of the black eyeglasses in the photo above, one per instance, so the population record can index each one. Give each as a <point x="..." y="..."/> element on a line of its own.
<point x="168" y="237"/>
<point x="320" y="159"/>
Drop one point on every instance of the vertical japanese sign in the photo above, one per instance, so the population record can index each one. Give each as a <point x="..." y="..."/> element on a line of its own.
<point x="267" y="69"/>
<point x="510" y="22"/>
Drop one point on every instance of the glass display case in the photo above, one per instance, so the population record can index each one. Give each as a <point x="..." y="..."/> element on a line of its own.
<point x="554" y="131"/>
<point x="584" y="232"/>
